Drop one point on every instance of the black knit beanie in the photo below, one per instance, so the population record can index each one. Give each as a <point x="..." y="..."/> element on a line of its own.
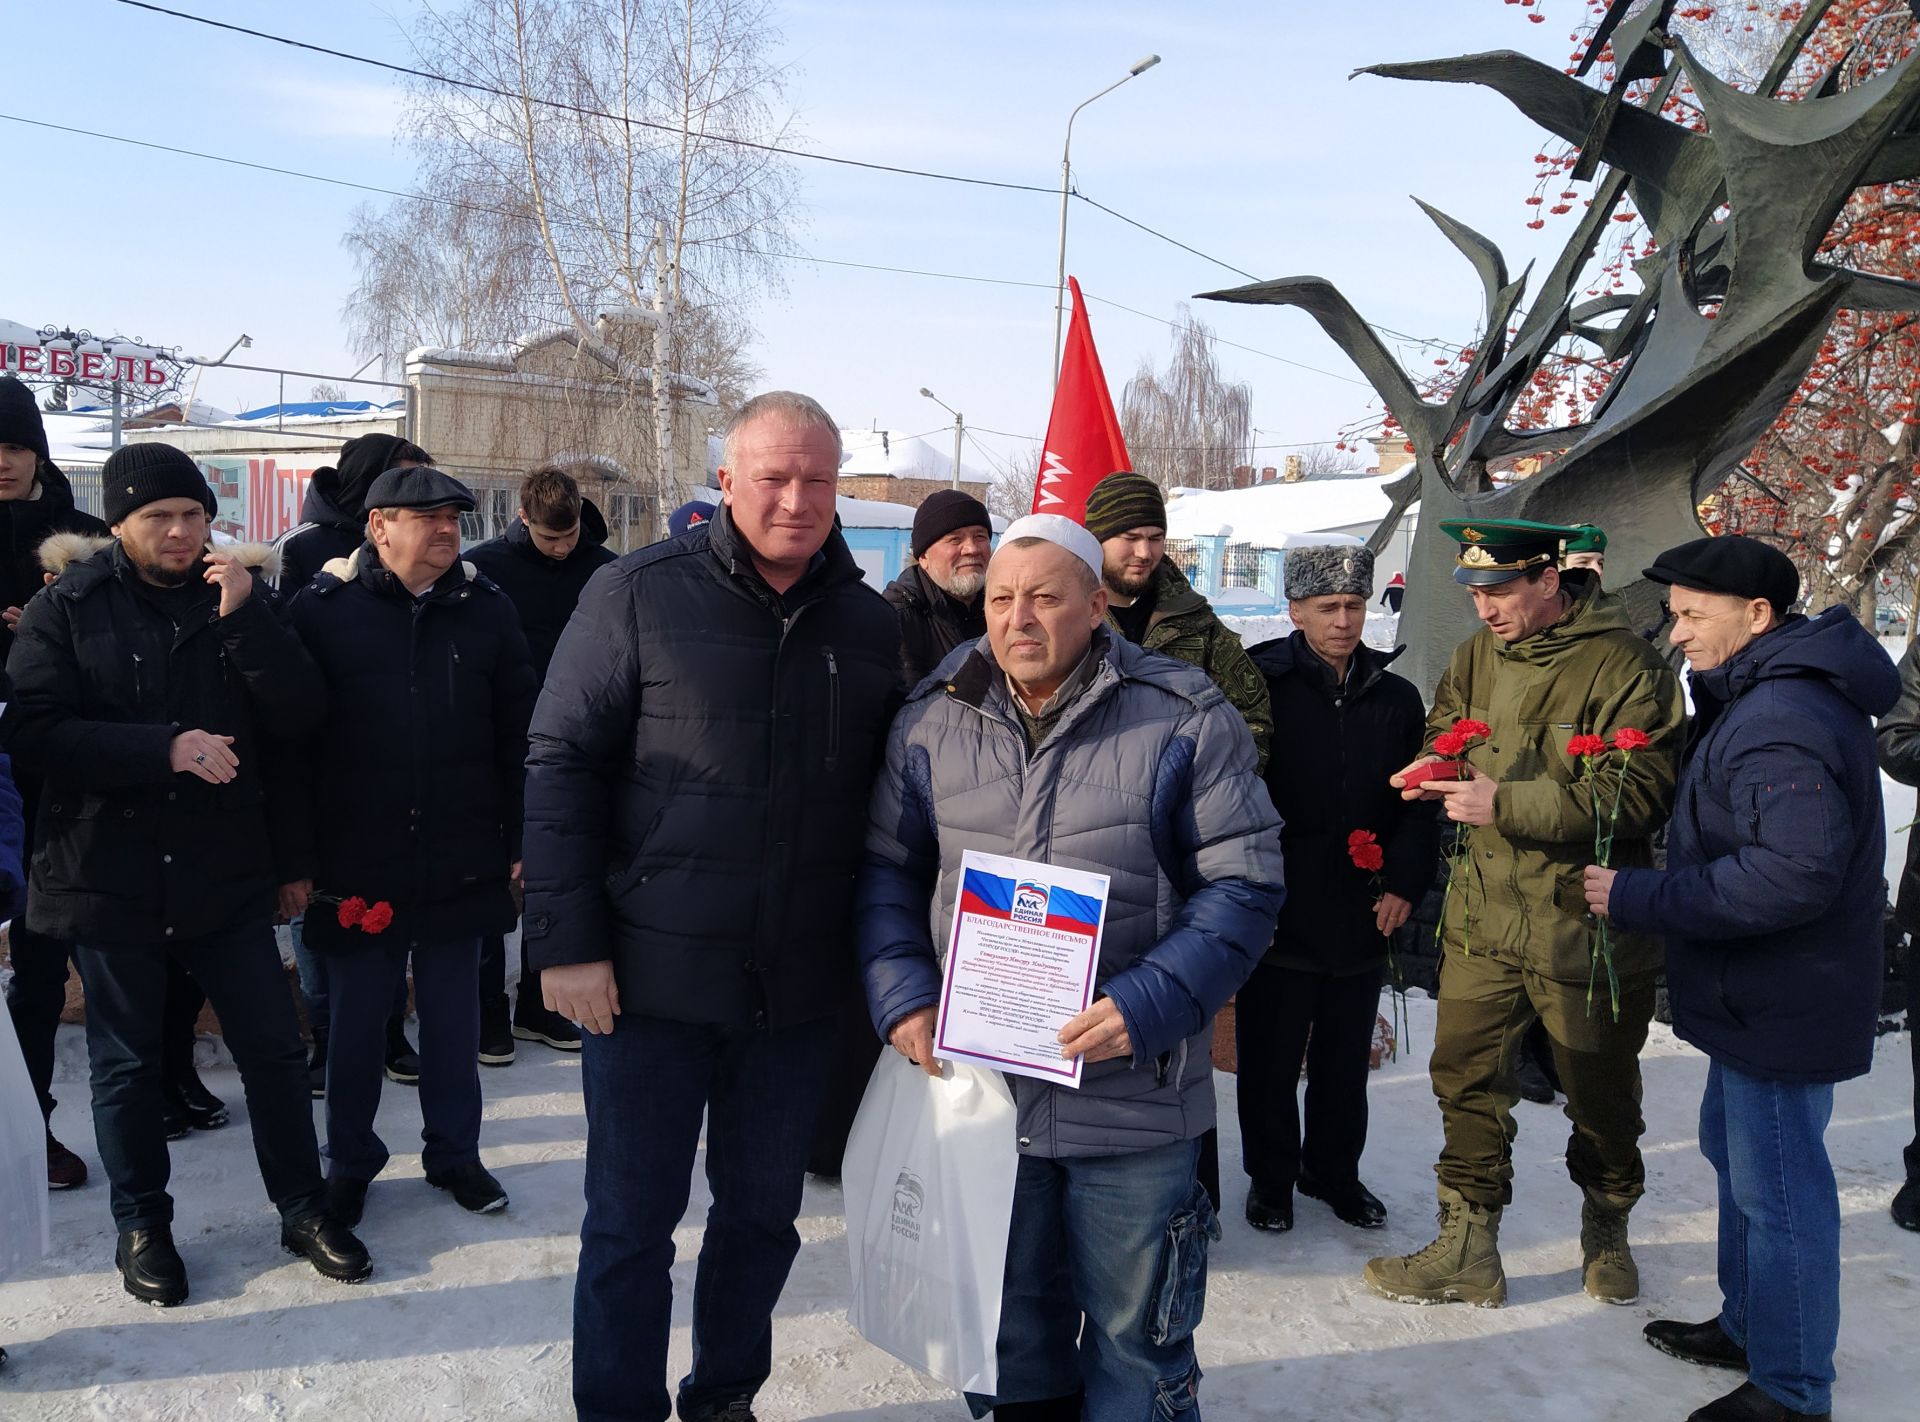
<point x="1123" y="501"/>
<point x="140" y="474"/>
<point x="20" y="421"/>
<point x="943" y="512"/>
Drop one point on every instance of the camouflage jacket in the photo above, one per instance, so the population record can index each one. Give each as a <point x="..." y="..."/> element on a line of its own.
<point x="1183" y="625"/>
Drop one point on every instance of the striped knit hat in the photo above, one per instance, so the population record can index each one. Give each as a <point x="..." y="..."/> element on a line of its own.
<point x="1123" y="501"/>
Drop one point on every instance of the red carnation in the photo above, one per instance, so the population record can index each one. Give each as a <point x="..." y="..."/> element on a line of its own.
<point x="1587" y="745"/>
<point x="1473" y="730"/>
<point x="1449" y="743"/>
<point x="1370" y="857"/>
<point x="1628" y="739"/>
<point x="377" y="918"/>
<point x="352" y="912"/>
<point x="1359" y="837"/>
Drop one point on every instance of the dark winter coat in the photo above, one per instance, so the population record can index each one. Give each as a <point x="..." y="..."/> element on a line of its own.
<point x="414" y="782"/>
<point x="1336" y="745"/>
<point x="698" y="779"/>
<point x="1899" y="738"/>
<point x="932" y="622"/>
<point x="25" y="524"/>
<point x="543" y="590"/>
<point x="334" y="514"/>
<point x="327" y="531"/>
<point x="1772" y="898"/>
<point x="13" y="835"/>
<point x="130" y="852"/>
<point x="1148" y="776"/>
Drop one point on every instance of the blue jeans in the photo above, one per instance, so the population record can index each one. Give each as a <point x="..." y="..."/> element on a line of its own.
<point x="241" y="974"/>
<point x="647" y="1083"/>
<point x="1119" y="1241"/>
<point x="1779" y="1230"/>
<point x="446" y="990"/>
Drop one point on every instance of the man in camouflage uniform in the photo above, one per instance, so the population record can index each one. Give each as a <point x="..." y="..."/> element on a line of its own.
<point x="1556" y="659"/>
<point x="1151" y="604"/>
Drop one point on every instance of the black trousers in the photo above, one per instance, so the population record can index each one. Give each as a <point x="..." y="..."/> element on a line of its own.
<point x="1913" y="1151"/>
<point x="1281" y="1014"/>
<point x="38" y="994"/>
<point x="855" y="1050"/>
<point x="240" y="970"/>
<point x="35" y="998"/>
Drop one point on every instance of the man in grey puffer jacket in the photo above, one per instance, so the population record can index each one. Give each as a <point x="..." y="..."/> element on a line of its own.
<point x="1055" y="741"/>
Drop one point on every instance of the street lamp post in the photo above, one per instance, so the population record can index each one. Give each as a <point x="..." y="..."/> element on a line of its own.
<point x="1066" y="187"/>
<point x="959" y="430"/>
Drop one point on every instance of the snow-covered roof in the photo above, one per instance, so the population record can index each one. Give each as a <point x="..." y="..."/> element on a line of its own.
<point x="872" y="453"/>
<point x="688" y="386"/>
<point x="1279" y="515"/>
<point x="77" y="439"/>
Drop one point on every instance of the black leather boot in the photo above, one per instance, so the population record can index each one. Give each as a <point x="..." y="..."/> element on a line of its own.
<point x="329" y="1246"/>
<point x="1704" y="1343"/>
<point x="151" y="1267"/>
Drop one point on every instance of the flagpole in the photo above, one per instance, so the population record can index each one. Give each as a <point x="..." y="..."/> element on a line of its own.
<point x="1066" y="188"/>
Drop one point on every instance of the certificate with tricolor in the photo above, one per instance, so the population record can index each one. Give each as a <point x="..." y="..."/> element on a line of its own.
<point x="1020" y="964"/>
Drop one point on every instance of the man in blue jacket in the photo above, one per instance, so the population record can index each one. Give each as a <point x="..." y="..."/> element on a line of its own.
<point x="1063" y="743"/>
<point x="1772" y="904"/>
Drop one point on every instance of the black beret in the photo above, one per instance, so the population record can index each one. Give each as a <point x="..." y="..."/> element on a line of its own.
<point x="421" y="487"/>
<point x="1733" y="564"/>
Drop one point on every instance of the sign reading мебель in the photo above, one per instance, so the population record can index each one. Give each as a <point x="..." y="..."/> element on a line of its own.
<point x="1020" y="964"/>
<point x="32" y="354"/>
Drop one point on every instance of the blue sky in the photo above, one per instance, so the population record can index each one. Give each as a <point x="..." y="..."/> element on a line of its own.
<point x="1248" y="142"/>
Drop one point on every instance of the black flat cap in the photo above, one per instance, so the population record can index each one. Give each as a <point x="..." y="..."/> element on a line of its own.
<point x="422" y="487"/>
<point x="1733" y="564"/>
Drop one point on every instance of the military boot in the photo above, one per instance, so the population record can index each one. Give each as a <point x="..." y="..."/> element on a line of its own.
<point x="1607" y="1268"/>
<point x="1462" y="1265"/>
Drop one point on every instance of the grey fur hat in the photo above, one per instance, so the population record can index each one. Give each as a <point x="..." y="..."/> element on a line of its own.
<point x="1323" y="568"/>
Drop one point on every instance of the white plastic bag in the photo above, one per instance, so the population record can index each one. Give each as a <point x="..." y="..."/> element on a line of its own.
<point x="928" y="1175"/>
<point x="23" y="1160"/>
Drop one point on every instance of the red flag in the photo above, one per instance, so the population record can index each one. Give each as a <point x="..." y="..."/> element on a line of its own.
<point x="1083" y="435"/>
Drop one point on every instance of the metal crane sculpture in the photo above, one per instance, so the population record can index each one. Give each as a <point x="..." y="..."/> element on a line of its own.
<point x="1729" y="316"/>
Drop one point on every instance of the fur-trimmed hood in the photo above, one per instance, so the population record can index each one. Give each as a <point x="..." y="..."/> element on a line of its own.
<point x="62" y="550"/>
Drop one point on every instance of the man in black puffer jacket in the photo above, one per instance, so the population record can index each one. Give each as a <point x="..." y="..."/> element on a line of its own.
<point x="696" y="809"/>
<point x="416" y="805"/>
<point x="1349" y="723"/>
<point x="36" y="502"/>
<point x="1772" y="904"/>
<point x="335" y="524"/>
<point x="150" y="683"/>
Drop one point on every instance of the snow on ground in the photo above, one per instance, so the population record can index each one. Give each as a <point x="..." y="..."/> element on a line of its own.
<point x="468" y="1317"/>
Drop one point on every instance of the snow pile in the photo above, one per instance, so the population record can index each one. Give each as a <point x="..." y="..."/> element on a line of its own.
<point x="469" y="1316"/>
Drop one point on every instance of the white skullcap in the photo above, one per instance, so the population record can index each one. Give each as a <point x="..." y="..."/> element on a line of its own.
<point x="1062" y="532"/>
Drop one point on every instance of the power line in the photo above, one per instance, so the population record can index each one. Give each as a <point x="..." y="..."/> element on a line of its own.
<point x="580" y="110"/>
<point x="524" y="217"/>
<point x="676" y="130"/>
